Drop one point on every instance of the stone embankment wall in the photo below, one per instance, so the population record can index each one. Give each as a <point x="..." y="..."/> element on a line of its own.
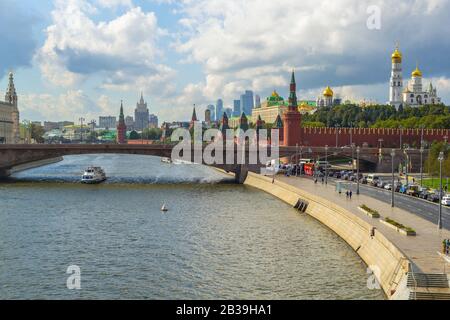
<point x="377" y="252"/>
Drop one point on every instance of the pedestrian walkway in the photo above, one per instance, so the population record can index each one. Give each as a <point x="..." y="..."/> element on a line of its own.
<point x="422" y="250"/>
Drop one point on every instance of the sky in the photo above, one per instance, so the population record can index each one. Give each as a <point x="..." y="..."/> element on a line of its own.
<point x="80" y="58"/>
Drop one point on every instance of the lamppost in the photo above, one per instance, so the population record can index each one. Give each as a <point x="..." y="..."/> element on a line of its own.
<point x="401" y="138"/>
<point x="296" y="159"/>
<point x="326" y="164"/>
<point x="337" y="136"/>
<point x="301" y="157"/>
<point x="393" y="178"/>
<point x="353" y="157"/>
<point x="406" y="166"/>
<point x="441" y="158"/>
<point x="358" y="151"/>
<point x="422" y="149"/>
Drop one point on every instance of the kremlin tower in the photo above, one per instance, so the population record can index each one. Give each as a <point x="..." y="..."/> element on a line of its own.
<point x="121" y="127"/>
<point x="292" y="118"/>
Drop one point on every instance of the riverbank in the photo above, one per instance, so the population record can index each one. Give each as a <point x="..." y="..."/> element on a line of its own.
<point x="390" y="254"/>
<point x="35" y="164"/>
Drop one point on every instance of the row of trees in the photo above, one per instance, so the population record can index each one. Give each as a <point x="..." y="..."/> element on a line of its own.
<point x="380" y="116"/>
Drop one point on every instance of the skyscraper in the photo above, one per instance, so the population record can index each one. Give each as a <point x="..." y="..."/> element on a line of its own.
<point x="141" y="115"/>
<point x="247" y="102"/>
<point x="236" y="108"/>
<point x="219" y="109"/>
<point x="211" y="108"/>
<point x="208" y="116"/>
<point x="257" y="101"/>
<point x="153" y="121"/>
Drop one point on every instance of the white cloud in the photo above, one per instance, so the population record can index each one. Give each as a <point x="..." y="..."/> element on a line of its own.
<point x="253" y="44"/>
<point x="68" y="106"/>
<point x="122" y="52"/>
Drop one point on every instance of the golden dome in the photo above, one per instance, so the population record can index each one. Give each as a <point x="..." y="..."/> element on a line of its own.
<point x="397" y="56"/>
<point x="328" y="92"/>
<point x="275" y="94"/>
<point x="417" y="72"/>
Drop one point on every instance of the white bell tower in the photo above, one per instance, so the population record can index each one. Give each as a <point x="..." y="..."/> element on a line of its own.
<point x="396" y="84"/>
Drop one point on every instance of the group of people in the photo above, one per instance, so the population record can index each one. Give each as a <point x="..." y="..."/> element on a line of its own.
<point x="349" y="194"/>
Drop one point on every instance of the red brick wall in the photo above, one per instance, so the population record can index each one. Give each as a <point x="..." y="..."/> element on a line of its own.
<point x="320" y="137"/>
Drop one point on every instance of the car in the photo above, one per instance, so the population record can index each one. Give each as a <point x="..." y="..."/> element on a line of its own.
<point x="413" y="191"/>
<point x="446" y="200"/>
<point x="363" y="180"/>
<point x="381" y="184"/>
<point x="424" y="194"/>
<point x="388" y="186"/>
<point x="371" y="178"/>
<point x="433" y="197"/>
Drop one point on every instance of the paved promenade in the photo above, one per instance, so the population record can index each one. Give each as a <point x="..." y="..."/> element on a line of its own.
<point x="422" y="250"/>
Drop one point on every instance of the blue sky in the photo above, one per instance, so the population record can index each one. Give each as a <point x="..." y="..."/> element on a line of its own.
<point x="74" y="58"/>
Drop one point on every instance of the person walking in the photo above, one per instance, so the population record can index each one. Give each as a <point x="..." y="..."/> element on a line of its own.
<point x="351" y="194"/>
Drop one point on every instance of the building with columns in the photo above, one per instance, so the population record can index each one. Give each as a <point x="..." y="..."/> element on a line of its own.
<point x="9" y="115"/>
<point x="415" y="96"/>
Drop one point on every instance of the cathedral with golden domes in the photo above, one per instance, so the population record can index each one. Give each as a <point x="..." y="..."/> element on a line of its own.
<point x="327" y="98"/>
<point x="414" y="93"/>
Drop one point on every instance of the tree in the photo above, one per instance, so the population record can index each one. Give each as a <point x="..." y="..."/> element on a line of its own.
<point x="134" y="135"/>
<point x="37" y="133"/>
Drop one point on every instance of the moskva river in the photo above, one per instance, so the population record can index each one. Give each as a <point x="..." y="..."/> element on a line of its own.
<point x="218" y="240"/>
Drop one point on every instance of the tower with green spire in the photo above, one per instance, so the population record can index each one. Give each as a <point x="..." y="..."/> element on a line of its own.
<point x="293" y="104"/>
<point x="121" y="127"/>
<point x="292" y="118"/>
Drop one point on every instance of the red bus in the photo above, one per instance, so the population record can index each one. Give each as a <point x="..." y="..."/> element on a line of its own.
<point x="308" y="168"/>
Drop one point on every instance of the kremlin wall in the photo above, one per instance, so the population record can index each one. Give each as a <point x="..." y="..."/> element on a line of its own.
<point x="370" y="137"/>
<point x="294" y="135"/>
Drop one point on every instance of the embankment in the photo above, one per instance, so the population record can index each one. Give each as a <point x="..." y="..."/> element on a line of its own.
<point x="34" y="164"/>
<point x="389" y="264"/>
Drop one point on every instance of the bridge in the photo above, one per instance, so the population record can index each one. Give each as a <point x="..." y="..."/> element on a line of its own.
<point x="370" y="158"/>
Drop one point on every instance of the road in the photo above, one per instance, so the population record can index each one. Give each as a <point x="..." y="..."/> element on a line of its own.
<point x="427" y="210"/>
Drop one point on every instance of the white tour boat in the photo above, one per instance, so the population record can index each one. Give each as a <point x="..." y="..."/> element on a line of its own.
<point x="93" y="175"/>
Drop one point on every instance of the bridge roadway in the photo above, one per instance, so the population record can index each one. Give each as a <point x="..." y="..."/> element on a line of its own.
<point x="14" y="155"/>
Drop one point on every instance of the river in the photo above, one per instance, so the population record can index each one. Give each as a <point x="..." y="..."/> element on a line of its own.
<point x="218" y="240"/>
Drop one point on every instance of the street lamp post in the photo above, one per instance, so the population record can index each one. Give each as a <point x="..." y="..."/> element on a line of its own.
<point x="358" y="151"/>
<point x="337" y="136"/>
<point x="296" y="160"/>
<point x="301" y="157"/>
<point x="406" y="166"/>
<point x="441" y="159"/>
<point x="393" y="178"/>
<point x="401" y="138"/>
<point x="326" y="164"/>
<point x="421" y="165"/>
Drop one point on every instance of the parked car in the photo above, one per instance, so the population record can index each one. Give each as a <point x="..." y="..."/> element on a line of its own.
<point x="380" y="183"/>
<point x="413" y="191"/>
<point x="424" y="194"/>
<point x="371" y="178"/>
<point x="433" y="197"/>
<point x="446" y="200"/>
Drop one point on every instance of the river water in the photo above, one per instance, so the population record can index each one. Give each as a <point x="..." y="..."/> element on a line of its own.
<point x="218" y="240"/>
